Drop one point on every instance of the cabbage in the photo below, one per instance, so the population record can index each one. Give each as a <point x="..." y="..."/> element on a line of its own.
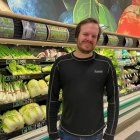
<point x="43" y="108"/>
<point x="47" y="68"/>
<point x="47" y="78"/>
<point x="33" y="88"/>
<point x="31" y="113"/>
<point x="43" y="87"/>
<point x="11" y="121"/>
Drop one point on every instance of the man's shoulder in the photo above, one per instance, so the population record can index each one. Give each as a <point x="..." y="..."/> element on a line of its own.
<point x="64" y="57"/>
<point x="102" y="57"/>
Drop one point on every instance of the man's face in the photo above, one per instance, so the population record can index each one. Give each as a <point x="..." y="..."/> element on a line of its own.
<point x="87" y="38"/>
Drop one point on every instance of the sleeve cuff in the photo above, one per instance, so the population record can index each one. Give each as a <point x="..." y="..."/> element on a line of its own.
<point x="54" y="136"/>
<point x="108" y="137"/>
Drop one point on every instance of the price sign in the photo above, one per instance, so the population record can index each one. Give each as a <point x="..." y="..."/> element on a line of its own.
<point x="43" y="123"/>
<point x="24" y="77"/>
<point x="8" y="61"/>
<point x="50" y="59"/>
<point x="11" y="78"/>
<point x="22" y="61"/>
<point x="38" y="125"/>
<point x="18" y="103"/>
<point x="28" y="128"/>
<point x="24" y="130"/>
<point x="1" y="130"/>
<point x="28" y="101"/>
<point x="22" y="102"/>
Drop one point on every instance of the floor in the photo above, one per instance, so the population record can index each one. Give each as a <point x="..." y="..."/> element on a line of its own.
<point x="131" y="133"/>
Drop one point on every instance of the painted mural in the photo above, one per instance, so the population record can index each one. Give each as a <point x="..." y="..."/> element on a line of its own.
<point x="121" y="16"/>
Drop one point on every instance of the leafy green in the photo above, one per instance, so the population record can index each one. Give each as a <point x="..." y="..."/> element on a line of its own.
<point x="11" y="121"/>
<point x="31" y="113"/>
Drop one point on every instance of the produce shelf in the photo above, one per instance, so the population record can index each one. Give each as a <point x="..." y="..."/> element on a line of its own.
<point x="127" y="57"/>
<point x="48" y="60"/>
<point x="28" y="61"/>
<point x="10" y="78"/>
<point x="20" y="61"/>
<point x="19" y="103"/>
<point x="128" y="65"/>
<point x="43" y="44"/>
<point x="35" y="43"/>
<point x="130" y="75"/>
<point x="130" y="91"/>
<point x="4" y="136"/>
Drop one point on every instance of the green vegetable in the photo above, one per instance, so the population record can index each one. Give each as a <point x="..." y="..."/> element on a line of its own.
<point x="47" y="68"/>
<point x="43" y="109"/>
<point x="34" y="88"/>
<point x="47" y="78"/>
<point x="43" y="87"/>
<point x="31" y="113"/>
<point x="11" y="121"/>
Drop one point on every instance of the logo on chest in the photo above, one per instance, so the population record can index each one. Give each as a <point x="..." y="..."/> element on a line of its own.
<point x="98" y="71"/>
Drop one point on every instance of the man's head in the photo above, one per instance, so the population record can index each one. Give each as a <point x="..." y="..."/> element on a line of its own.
<point x="87" y="34"/>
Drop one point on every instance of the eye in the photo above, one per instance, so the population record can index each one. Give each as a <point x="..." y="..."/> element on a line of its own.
<point x="94" y="36"/>
<point x="85" y="34"/>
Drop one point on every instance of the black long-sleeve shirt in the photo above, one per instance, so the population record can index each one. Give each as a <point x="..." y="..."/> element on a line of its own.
<point x="83" y="81"/>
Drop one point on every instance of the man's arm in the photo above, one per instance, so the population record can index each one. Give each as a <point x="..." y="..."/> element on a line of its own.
<point x="113" y="103"/>
<point x="52" y="102"/>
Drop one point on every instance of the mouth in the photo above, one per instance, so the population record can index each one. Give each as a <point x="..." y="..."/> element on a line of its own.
<point x="85" y="42"/>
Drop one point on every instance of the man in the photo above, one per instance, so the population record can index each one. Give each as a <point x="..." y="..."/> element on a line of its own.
<point x="82" y="75"/>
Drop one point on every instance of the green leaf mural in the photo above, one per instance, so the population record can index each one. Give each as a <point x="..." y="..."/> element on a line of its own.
<point x="84" y="9"/>
<point x="106" y="18"/>
<point x="92" y="8"/>
<point x="69" y="4"/>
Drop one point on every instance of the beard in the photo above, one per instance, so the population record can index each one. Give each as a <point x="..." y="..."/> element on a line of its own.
<point x="85" y="51"/>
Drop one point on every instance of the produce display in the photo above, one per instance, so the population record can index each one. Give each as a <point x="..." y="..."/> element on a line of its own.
<point x="11" y="121"/>
<point x="37" y="88"/>
<point x="13" y="91"/>
<point x="14" y="53"/>
<point x="29" y="114"/>
<point x="20" y="90"/>
<point x="47" y="78"/>
<point x="43" y="108"/>
<point x="16" y="69"/>
<point x="110" y="53"/>
<point x="50" y="53"/>
<point x="47" y="68"/>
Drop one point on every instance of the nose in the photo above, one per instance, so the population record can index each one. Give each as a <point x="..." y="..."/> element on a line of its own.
<point x="90" y="38"/>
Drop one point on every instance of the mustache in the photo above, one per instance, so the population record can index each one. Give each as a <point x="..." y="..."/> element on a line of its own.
<point x="86" y="41"/>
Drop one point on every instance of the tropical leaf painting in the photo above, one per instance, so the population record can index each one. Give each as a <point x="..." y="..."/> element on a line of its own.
<point x="84" y="9"/>
<point x="106" y="19"/>
<point x="69" y="4"/>
<point x="92" y="8"/>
